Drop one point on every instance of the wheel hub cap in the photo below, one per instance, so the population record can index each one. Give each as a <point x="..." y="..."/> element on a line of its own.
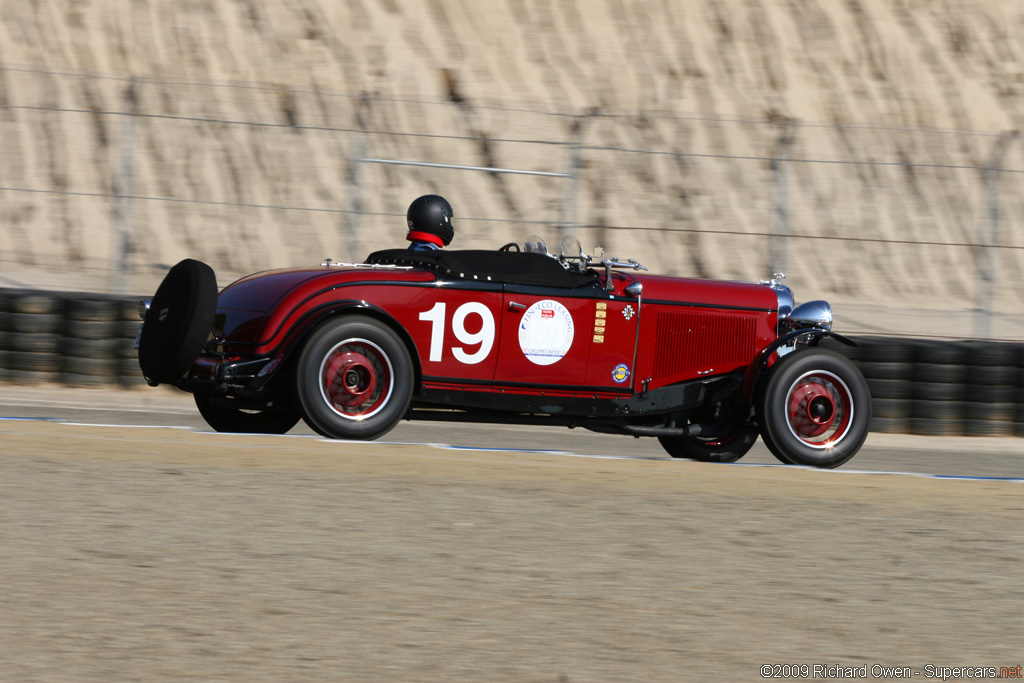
<point x="356" y="379"/>
<point x="819" y="409"/>
<point x="350" y="377"/>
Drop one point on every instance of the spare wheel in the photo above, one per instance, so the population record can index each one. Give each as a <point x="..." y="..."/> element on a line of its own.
<point x="178" y="321"/>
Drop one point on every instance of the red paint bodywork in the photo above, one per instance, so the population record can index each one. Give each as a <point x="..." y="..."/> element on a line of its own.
<point x="677" y="330"/>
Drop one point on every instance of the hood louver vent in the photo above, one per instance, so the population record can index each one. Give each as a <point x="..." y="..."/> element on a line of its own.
<point x="694" y="343"/>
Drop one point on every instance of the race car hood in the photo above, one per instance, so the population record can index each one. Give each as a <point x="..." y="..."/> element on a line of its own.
<point x="711" y="293"/>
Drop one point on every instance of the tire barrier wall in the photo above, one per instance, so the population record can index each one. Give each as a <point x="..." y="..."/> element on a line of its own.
<point x="75" y="339"/>
<point x="927" y="387"/>
<point x="942" y="388"/>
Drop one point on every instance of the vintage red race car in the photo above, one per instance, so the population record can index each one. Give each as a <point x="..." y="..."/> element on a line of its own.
<point x="509" y="336"/>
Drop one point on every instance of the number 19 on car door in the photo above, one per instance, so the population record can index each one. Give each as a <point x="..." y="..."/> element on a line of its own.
<point x="457" y="335"/>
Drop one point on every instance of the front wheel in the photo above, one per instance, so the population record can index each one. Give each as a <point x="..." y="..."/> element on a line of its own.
<point x="709" y="449"/>
<point x="224" y="417"/>
<point x="354" y="378"/>
<point x="815" y="409"/>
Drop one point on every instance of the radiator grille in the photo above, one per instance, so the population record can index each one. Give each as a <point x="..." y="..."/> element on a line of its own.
<point x="688" y="342"/>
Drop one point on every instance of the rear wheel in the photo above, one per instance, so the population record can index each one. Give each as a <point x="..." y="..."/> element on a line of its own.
<point x="709" y="449"/>
<point x="354" y="378"/>
<point x="815" y="409"/>
<point x="220" y="414"/>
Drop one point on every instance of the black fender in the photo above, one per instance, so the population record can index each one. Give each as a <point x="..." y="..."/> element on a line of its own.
<point x="760" y="362"/>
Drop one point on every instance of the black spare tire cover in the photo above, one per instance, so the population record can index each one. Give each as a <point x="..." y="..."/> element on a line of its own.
<point x="178" y="321"/>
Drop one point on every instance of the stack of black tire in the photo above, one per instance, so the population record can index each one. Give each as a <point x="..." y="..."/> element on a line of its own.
<point x="887" y="365"/>
<point x="5" y="332"/>
<point x="31" y="342"/>
<point x="990" y="407"/>
<point x="939" y="392"/>
<point x="1019" y="428"/>
<point x="89" y="342"/>
<point x="99" y="340"/>
<point x="941" y="388"/>
<point x="126" y="356"/>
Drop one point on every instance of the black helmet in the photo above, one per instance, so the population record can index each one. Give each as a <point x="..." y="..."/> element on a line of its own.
<point x="432" y="215"/>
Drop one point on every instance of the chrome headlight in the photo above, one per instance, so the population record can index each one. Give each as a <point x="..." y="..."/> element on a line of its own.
<point x="813" y="314"/>
<point x="144" y="305"/>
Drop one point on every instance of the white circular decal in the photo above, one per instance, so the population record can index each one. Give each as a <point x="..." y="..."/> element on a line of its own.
<point x="545" y="332"/>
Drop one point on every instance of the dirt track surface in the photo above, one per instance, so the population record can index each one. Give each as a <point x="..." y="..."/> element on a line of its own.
<point x="163" y="554"/>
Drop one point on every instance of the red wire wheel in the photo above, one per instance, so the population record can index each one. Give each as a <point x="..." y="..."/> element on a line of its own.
<point x="820" y="409"/>
<point x="354" y="378"/>
<point x="814" y="409"/>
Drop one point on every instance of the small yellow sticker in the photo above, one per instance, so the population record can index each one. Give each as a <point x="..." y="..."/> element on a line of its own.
<point x="601" y="305"/>
<point x="600" y="322"/>
<point x="599" y="339"/>
<point x="601" y="314"/>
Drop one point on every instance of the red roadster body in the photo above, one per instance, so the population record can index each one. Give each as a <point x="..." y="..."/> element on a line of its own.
<point x="511" y="337"/>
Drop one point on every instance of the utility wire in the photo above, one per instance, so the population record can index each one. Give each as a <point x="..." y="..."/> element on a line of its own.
<point x="541" y="110"/>
<point x="737" y="233"/>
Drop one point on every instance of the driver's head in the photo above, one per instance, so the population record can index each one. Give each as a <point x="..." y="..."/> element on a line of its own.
<point x="430" y="220"/>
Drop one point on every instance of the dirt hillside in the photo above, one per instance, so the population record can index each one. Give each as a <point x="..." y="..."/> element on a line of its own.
<point x="248" y="116"/>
